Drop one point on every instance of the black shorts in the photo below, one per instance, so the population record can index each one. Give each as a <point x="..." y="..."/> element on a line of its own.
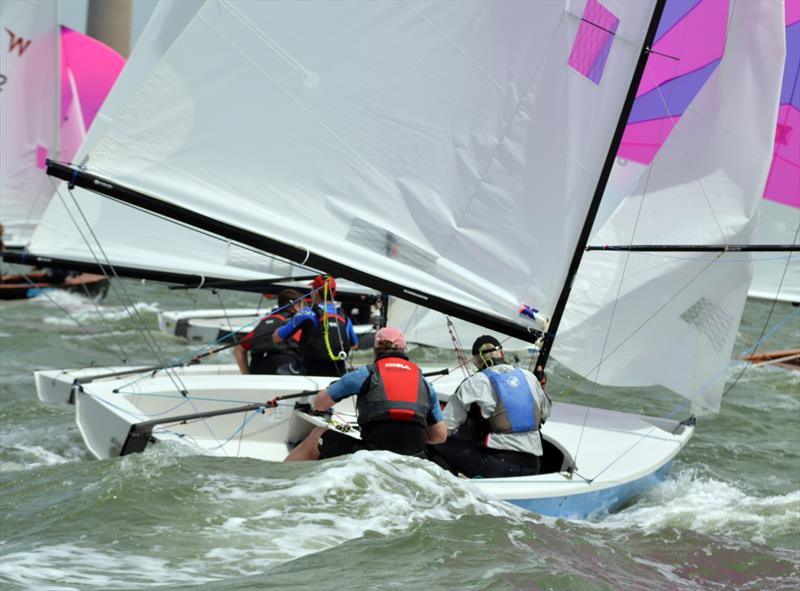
<point x="471" y="459"/>
<point x="402" y="438"/>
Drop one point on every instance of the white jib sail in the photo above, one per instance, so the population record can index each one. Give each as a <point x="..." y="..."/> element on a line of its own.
<point x="777" y="275"/>
<point x="671" y="319"/>
<point x="447" y="146"/>
<point x="29" y="113"/>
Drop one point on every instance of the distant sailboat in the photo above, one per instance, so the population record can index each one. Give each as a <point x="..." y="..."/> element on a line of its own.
<point x="54" y="81"/>
<point x="451" y="155"/>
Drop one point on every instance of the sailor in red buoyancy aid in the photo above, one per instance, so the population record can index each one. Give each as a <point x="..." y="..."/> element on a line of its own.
<point x="266" y="356"/>
<point x="398" y="410"/>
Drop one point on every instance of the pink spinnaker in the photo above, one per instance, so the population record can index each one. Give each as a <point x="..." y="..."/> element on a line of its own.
<point x="89" y="69"/>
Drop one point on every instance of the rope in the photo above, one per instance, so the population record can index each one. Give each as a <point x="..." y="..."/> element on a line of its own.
<point x="342" y="355"/>
<point x="769" y="316"/>
<point x="85" y="329"/>
<point x="117" y="286"/>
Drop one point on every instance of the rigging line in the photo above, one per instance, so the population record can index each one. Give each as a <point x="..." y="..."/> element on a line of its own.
<point x="702" y="389"/>
<point x="90" y="248"/>
<point x="766" y="322"/>
<point x="183" y="360"/>
<point x="224" y="312"/>
<point x="463" y="363"/>
<point x="118" y="286"/>
<point x="687" y="159"/>
<point x="57" y="191"/>
<point x="85" y="329"/>
<point x="766" y="337"/>
<point x="612" y="316"/>
<point x="220" y="444"/>
<point x="203" y="232"/>
<point x="653" y="315"/>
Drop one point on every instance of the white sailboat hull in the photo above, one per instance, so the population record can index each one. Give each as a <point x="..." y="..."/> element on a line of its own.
<point x="207" y="326"/>
<point x="617" y="455"/>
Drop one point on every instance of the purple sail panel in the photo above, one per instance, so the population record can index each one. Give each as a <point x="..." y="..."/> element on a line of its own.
<point x="688" y="47"/>
<point x="593" y="41"/>
<point x="783" y="183"/>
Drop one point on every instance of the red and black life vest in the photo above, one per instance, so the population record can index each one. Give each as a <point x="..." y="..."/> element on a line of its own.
<point x="261" y="337"/>
<point x="312" y="342"/>
<point x="395" y="390"/>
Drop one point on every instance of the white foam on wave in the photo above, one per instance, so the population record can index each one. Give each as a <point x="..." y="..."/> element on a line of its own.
<point x="22" y="449"/>
<point x="340" y="500"/>
<point x="62" y="567"/>
<point x="710" y="506"/>
<point x="85" y="309"/>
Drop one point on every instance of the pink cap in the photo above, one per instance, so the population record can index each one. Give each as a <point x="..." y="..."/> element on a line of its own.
<point x="391" y="335"/>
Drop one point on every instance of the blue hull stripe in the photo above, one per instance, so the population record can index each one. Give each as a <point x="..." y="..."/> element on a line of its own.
<point x="592" y="504"/>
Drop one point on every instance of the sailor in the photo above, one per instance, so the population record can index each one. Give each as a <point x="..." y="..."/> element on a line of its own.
<point x="327" y="333"/>
<point x="266" y="356"/>
<point x="497" y="412"/>
<point x="398" y="410"/>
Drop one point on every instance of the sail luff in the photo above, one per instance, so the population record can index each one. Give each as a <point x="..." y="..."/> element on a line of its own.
<point x="289" y="252"/>
<point x="602" y="181"/>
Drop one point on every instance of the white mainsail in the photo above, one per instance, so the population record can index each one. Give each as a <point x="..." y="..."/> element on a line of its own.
<point x="473" y="193"/>
<point x="639" y="319"/>
<point x="29" y="113"/>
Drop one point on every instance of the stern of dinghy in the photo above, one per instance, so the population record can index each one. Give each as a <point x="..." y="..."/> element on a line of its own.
<point x="222" y="414"/>
<point x="605" y="457"/>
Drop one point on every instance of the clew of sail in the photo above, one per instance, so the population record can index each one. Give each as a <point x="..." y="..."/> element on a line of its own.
<point x="639" y="319"/>
<point x="471" y="192"/>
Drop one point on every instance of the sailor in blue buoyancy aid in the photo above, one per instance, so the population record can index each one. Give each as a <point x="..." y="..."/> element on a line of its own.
<point x="328" y="335"/>
<point x="496" y="414"/>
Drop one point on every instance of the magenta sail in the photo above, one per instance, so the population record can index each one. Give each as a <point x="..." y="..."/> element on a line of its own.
<point x="783" y="183"/>
<point x="689" y="45"/>
<point x="89" y="69"/>
<point x="593" y="42"/>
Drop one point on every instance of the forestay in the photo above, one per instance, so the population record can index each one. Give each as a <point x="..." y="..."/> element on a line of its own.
<point x="450" y="147"/>
<point x="671" y="319"/>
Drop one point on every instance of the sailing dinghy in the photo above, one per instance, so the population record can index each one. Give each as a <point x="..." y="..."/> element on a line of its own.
<point x="453" y="156"/>
<point x="53" y="82"/>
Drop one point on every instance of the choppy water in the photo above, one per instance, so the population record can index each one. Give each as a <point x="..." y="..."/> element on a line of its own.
<point x="728" y="517"/>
